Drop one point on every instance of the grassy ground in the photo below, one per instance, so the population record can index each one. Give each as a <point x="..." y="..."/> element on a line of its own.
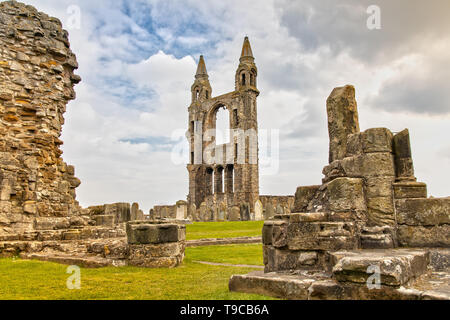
<point x="22" y="279"/>
<point x="250" y="254"/>
<point x="202" y="230"/>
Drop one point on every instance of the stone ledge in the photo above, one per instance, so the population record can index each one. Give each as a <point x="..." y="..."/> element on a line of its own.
<point x="322" y="236"/>
<point x="405" y="190"/>
<point x="397" y="266"/>
<point x="423" y="212"/>
<point x="276" y="285"/>
<point x="424" y="236"/>
<point x="319" y="286"/>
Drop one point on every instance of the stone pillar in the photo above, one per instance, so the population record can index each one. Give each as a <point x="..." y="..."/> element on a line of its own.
<point x="342" y="120"/>
<point x="404" y="168"/>
<point x="155" y="245"/>
<point x="181" y="210"/>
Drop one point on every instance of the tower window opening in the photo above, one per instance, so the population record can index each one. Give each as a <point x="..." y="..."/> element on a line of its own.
<point x="243" y="79"/>
<point x="207" y="94"/>
<point x="236" y="117"/>
<point x="197" y="94"/>
<point x="222" y="126"/>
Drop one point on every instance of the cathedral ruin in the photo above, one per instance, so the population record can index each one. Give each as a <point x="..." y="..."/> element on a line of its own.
<point x="230" y="174"/>
<point x="368" y="215"/>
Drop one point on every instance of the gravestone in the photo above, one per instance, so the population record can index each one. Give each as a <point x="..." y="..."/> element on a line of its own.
<point x="245" y="212"/>
<point x="258" y="210"/>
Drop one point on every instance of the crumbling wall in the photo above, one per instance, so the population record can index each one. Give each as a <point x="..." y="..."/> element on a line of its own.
<point x="36" y="83"/>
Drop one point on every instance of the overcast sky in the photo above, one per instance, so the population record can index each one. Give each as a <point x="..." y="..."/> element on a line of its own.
<point x="138" y="59"/>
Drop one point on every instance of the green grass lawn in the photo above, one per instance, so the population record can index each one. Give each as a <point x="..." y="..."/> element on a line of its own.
<point x="23" y="279"/>
<point x="250" y="254"/>
<point x="230" y="229"/>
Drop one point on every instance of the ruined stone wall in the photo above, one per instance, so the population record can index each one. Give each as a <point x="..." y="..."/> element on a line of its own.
<point x="163" y="211"/>
<point x="36" y="83"/>
<point x="276" y="205"/>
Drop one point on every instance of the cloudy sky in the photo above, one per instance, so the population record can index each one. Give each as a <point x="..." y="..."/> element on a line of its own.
<point x="138" y="58"/>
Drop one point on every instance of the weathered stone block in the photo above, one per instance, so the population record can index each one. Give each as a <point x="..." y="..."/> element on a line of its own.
<point x="346" y="194"/>
<point x="272" y="284"/>
<point x="380" y="211"/>
<point x="379" y="186"/>
<point x="404" y="190"/>
<point x="303" y="196"/>
<point x="267" y="233"/>
<point x="145" y="233"/>
<point x="51" y="223"/>
<point x="377" y="140"/>
<point x="121" y="211"/>
<point x="282" y="260"/>
<point x="378" y="237"/>
<point x="71" y="235"/>
<point x="354" y="144"/>
<point x="403" y="158"/>
<point x="369" y="165"/>
<point x="164" y="255"/>
<point x="342" y="120"/>
<point x="308" y="217"/>
<point x="342" y="216"/>
<point x="322" y="236"/>
<point x="274" y="233"/>
<point x="104" y="220"/>
<point x="426" y="211"/>
<point x="396" y="267"/>
<point x="421" y="236"/>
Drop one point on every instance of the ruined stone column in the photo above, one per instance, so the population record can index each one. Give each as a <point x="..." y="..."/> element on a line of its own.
<point x="404" y="168"/>
<point x="342" y="120"/>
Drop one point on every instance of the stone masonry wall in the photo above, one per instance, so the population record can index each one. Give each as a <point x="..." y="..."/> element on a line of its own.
<point x="36" y="82"/>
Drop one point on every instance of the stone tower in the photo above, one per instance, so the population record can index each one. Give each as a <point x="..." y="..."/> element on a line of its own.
<point x="225" y="174"/>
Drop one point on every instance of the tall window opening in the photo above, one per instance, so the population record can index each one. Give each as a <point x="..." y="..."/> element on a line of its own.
<point x="209" y="181"/>
<point x="222" y="126"/>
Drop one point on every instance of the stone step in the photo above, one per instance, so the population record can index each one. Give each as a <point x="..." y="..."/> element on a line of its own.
<point x="377" y="238"/>
<point x="322" y="287"/>
<point x="278" y="285"/>
<point x="404" y="275"/>
<point x="396" y="267"/>
<point x="411" y="189"/>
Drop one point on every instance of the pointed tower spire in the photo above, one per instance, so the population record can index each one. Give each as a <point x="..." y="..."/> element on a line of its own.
<point x="201" y="69"/>
<point x="247" y="53"/>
